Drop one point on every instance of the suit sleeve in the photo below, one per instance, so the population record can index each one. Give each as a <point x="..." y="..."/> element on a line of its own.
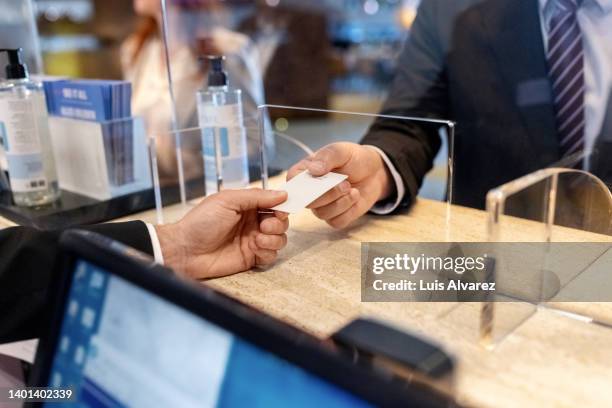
<point x="419" y="89"/>
<point x="27" y="259"/>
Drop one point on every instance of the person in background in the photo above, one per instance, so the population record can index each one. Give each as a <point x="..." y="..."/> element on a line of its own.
<point x="196" y="28"/>
<point x="224" y="234"/>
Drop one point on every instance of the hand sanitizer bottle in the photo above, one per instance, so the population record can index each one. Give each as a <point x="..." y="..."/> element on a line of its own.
<point x="26" y="137"/>
<point x="224" y="144"/>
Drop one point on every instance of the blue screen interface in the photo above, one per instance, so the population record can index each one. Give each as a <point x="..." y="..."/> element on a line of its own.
<point x="122" y="346"/>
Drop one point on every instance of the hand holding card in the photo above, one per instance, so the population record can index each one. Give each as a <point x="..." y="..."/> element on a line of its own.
<point x="303" y="189"/>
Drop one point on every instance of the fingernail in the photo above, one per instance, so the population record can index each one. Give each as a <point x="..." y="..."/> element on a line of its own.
<point x="281" y="215"/>
<point x="344" y="186"/>
<point x="317" y="166"/>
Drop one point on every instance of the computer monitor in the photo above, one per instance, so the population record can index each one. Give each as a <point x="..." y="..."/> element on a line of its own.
<point x="128" y="333"/>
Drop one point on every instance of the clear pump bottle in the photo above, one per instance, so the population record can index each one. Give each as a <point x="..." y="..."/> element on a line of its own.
<point x="224" y="143"/>
<point x="27" y="140"/>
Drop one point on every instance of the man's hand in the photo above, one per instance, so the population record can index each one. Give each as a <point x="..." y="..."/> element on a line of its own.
<point x="225" y="234"/>
<point x="368" y="181"/>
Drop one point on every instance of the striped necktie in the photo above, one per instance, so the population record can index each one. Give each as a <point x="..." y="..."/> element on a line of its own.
<point x="566" y="70"/>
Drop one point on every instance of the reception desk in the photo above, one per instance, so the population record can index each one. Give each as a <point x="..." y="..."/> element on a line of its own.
<point x="549" y="360"/>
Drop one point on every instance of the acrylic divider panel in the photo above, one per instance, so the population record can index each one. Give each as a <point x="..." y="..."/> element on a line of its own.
<point x="549" y="205"/>
<point x="198" y="161"/>
<point x="195" y="30"/>
<point x="280" y="53"/>
<point x="169" y="152"/>
<point x="299" y="132"/>
<point x="326" y="55"/>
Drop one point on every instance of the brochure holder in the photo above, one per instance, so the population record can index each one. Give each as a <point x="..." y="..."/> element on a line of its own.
<point x="104" y="172"/>
<point x="101" y="160"/>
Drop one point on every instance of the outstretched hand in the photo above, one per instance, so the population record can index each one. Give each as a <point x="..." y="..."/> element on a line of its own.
<point x="225" y="234"/>
<point x="368" y="181"/>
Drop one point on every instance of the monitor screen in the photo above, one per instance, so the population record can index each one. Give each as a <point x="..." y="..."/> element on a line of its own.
<point x="121" y="346"/>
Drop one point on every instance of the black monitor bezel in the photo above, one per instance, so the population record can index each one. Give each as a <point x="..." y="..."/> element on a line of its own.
<point x="264" y="331"/>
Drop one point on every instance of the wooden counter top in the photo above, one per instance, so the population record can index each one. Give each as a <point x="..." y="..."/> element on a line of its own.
<point x="549" y="360"/>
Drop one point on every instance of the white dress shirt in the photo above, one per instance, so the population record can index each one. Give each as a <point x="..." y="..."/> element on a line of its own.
<point x="595" y="20"/>
<point x="157" y="252"/>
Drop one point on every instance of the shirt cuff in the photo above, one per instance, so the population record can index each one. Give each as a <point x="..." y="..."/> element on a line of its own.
<point x="157" y="252"/>
<point x="390" y="205"/>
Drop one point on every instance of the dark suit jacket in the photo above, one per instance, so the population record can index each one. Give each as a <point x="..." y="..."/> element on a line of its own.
<point x="480" y="63"/>
<point x="27" y="259"/>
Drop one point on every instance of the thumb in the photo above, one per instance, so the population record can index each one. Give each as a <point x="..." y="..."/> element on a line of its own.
<point x="254" y="198"/>
<point x="328" y="158"/>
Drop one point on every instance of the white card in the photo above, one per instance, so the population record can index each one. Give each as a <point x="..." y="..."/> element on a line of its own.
<point x="303" y="189"/>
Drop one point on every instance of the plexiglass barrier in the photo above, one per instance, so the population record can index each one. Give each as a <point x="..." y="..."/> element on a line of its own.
<point x="548" y="206"/>
<point x="289" y="53"/>
<point x="299" y="132"/>
<point x="345" y="50"/>
<point x="193" y="30"/>
<point x="280" y="137"/>
<point x="198" y="161"/>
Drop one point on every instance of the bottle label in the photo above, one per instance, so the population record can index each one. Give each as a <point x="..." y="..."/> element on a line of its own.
<point x="223" y="124"/>
<point x="220" y="116"/>
<point x="22" y="145"/>
<point x="234" y="167"/>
